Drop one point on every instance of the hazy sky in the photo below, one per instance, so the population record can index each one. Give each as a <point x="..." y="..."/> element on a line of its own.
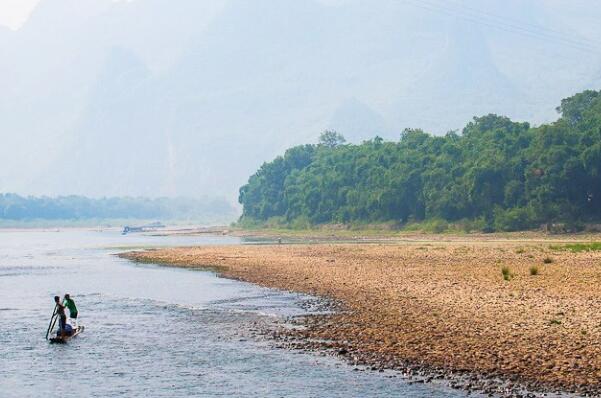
<point x="14" y="12"/>
<point x="190" y="97"/>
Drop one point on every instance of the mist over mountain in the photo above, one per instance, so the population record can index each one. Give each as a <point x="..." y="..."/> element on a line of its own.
<point x="185" y="98"/>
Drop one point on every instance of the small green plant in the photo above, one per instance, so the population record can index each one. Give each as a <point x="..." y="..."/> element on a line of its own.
<point x="507" y="275"/>
<point x="520" y="250"/>
<point x="547" y="260"/>
<point x="534" y="270"/>
<point x="555" y="322"/>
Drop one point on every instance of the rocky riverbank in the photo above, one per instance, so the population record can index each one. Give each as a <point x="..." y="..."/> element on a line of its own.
<point x="492" y="316"/>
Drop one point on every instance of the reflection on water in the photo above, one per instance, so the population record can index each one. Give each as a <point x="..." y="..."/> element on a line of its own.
<point x="152" y="331"/>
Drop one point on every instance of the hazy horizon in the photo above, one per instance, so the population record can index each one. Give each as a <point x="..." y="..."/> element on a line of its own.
<point x="155" y="98"/>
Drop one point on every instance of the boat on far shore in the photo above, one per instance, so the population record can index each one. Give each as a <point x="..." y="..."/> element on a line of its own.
<point x="143" y="228"/>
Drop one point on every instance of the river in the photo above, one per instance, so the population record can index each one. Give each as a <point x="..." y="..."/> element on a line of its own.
<point x="153" y="331"/>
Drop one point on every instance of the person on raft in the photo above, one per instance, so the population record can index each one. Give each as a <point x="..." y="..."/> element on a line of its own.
<point x="62" y="321"/>
<point x="70" y="304"/>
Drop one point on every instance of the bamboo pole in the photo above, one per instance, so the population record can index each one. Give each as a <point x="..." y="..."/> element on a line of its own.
<point x="52" y="321"/>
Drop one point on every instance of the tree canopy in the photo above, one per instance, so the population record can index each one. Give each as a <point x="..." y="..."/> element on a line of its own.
<point x="508" y="175"/>
<point x="331" y="139"/>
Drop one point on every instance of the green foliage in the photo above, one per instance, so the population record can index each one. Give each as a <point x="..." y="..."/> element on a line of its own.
<point x="263" y="197"/>
<point x="574" y="108"/>
<point x="579" y="247"/>
<point x="502" y="175"/>
<point x="534" y="270"/>
<point x="248" y="223"/>
<point x="331" y="139"/>
<point x="300" y="223"/>
<point x="506" y="272"/>
<point x="516" y="219"/>
<point x="547" y="260"/>
<point x="434" y="226"/>
<point x="468" y="225"/>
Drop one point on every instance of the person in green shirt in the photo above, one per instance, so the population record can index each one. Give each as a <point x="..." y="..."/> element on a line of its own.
<point x="70" y="304"/>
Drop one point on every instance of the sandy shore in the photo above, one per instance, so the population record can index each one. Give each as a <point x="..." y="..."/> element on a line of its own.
<point x="443" y="306"/>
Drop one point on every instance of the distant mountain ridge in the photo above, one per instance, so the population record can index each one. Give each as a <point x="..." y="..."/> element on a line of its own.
<point x="161" y="98"/>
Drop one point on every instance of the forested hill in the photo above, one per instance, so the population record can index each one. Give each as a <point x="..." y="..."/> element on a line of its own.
<point x="500" y="174"/>
<point x="79" y="208"/>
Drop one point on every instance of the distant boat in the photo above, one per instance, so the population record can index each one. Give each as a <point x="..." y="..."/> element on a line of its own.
<point x="142" y="228"/>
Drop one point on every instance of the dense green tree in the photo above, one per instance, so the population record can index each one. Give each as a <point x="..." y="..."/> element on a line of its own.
<point x="331" y="139"/>
<point x="508" y="174"/>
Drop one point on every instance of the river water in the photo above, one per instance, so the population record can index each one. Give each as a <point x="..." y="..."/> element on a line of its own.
<point x="153" y="331"/>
